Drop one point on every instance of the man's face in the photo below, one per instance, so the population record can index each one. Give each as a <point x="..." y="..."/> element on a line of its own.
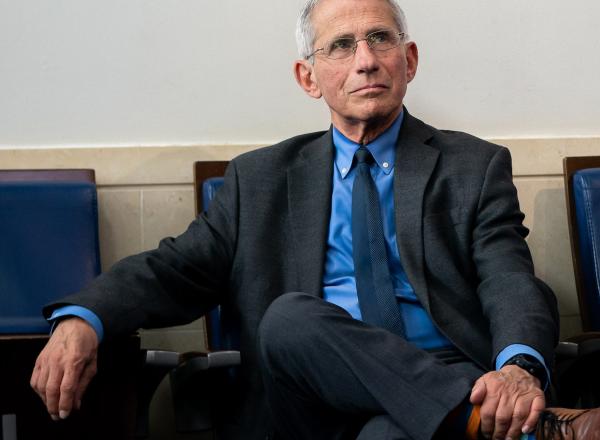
<point x="365" y="87"/>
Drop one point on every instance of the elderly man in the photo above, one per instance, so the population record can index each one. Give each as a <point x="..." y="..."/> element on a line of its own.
<point x="379" y="269"/>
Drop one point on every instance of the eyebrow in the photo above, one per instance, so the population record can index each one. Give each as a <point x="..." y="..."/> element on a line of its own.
<point x="379" y="29"/>
<point x="344" y="35"/>
<point x="368" y="32"/>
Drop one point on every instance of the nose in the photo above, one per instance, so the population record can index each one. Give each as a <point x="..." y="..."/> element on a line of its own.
<point x="365" y="59"/>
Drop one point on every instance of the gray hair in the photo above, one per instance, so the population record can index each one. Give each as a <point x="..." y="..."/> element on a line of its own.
<point x="305" y="33"/>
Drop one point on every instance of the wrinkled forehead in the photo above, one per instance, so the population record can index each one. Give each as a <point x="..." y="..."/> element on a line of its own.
<point x="332" y="18"/>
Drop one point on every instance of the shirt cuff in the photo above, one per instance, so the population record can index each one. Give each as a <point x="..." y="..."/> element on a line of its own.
<point x="81" y="312"/>
<point x="515" y="349"/>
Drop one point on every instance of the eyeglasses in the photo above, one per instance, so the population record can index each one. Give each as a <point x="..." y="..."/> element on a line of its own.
<point x="346" y="46"/>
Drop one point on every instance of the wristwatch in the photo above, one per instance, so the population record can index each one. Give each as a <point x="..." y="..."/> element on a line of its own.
<point x="531" y="365"/>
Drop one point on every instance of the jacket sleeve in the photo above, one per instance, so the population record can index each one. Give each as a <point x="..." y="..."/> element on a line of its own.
<point x="520" y="308"/>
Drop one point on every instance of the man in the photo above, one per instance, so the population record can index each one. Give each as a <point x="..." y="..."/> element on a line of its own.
<point x="461" y="352"/>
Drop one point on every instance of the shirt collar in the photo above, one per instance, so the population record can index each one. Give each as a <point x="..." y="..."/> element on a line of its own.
<point x="383" y="148"/>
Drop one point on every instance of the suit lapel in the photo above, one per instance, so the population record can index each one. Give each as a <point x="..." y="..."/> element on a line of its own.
<point x="309" y="193"/>
<point x="415" y="162"/>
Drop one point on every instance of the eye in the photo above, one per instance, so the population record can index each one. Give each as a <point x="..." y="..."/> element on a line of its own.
<point x="379" y="37"/>
<point x="341" y="44"/>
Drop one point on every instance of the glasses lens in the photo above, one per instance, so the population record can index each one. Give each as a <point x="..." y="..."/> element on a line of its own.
<point x="340" y="48"/>
<point x="383" y="40"/>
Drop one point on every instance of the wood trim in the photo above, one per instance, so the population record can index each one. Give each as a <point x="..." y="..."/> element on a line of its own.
<point x="205" y="170"/>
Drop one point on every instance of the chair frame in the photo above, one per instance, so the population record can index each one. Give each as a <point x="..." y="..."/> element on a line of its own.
<point x="570" y="166"/>
<point x="205" y="170"/>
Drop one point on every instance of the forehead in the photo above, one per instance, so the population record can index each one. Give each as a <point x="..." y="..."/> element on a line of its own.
<point x="356" y="17"/>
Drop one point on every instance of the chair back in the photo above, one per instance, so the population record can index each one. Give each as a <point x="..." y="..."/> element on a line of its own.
<point x="221" y="331"/>
<point x="582" y="186"/>
<point x="49" y="243"/>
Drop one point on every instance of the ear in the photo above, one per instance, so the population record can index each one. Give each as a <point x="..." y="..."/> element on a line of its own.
<point x="304" y="72"/>
<point x="412" y="60"/>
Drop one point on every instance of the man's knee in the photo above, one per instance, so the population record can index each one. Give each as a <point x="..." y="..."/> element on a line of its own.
<point x="281" y="318"/>
<point x="289" y="325"/>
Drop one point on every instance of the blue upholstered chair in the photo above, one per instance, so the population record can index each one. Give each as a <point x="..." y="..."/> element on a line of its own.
<point x="578" y="358"/>
<point x="49" y="248"/>
<point x="586" y="191"/>
<point x="48" y="242"/>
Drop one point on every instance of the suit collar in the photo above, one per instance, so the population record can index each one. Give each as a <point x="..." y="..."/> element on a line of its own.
<point x="415" y="163"/>
<point x="309" y="193"/>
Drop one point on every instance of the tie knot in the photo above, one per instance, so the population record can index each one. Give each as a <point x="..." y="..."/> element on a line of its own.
<point x="363" y="155"/>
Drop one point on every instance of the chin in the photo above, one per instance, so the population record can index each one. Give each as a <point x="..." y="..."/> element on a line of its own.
<point x="378" y="113"/>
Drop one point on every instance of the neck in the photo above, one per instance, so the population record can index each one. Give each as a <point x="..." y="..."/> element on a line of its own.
<point x="364" y="132"/>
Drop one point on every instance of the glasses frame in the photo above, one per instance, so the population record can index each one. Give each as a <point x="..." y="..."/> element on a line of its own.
<point x="402" y="35"/>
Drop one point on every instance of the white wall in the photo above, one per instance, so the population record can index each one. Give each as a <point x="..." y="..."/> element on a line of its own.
<point x="178" y="72"/>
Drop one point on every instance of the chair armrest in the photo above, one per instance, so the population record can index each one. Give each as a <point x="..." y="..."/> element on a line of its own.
<point x="161" y="359"/>
<point x="193" y="361"/>
<point x="566" y="350"/>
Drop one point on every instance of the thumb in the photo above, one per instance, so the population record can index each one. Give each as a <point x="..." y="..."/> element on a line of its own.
<point x="478" y="392"/>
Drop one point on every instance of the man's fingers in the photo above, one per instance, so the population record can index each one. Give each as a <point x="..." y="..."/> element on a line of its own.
<point x="88" y="374"/>
<point x="487" y="413"/>
<point x="478" y="392"/>
<point x="68" y="388"/>
<point x="36" y="380"/>
<point x="52" y="391"/>
<point x="521" y="412"/>
<point x="35" y="374"/>
<point x="537" y="406"/>
<point x="503" y="420"/>
<point x="525" y="415"/>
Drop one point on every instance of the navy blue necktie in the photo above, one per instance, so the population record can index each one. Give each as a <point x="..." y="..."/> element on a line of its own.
<point x="376" y="297"/>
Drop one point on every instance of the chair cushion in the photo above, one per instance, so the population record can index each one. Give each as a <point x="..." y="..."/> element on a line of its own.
<point x="209" y="190"/>
<point x="48" y="248"/>
<point x="586" y="190"/>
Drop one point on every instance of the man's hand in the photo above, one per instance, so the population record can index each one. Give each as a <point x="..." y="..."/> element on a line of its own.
<point x="65" y="367"/>
<point x="511" y="401"/>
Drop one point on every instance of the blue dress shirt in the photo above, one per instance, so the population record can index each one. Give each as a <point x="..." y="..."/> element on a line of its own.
<point x="339" y="284"/>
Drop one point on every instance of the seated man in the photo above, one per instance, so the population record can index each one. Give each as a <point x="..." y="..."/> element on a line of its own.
<point x="379" y="270"/>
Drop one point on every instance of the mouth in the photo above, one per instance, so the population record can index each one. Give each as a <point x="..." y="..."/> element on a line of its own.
<point x="371" y="88"/>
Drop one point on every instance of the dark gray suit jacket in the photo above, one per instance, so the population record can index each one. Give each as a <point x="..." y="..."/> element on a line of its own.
<point x="460" y="238"/>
